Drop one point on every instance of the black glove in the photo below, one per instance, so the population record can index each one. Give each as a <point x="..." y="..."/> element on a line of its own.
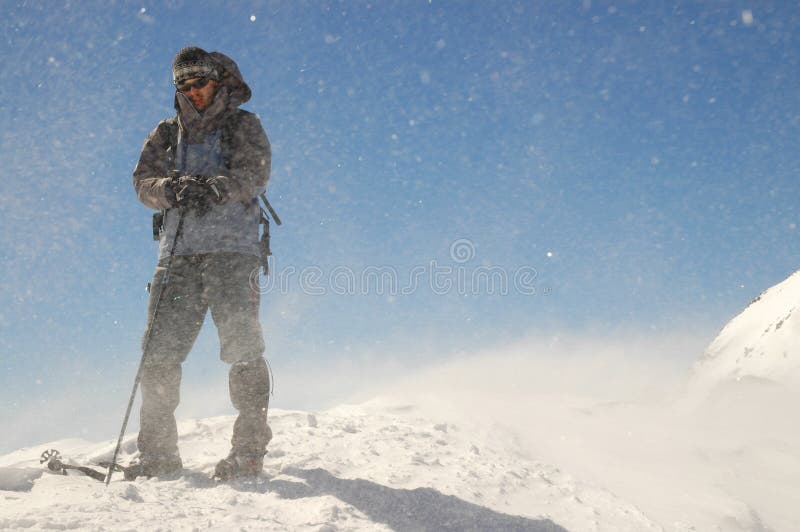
<point x="219" y="188"/>
<point x="193" y="193"/>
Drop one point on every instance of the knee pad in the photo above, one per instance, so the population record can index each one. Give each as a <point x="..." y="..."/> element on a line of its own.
<point x="249" y="385"/>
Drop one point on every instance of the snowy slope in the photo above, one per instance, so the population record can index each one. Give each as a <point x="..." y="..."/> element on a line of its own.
<point x="547" y="434"/>
<point x="759" y="344"/>
<point x="353" y="468"/>
<point x="607" y="415"/>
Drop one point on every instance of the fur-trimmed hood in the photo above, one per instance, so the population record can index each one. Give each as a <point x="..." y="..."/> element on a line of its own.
<point x="232" y="78"/>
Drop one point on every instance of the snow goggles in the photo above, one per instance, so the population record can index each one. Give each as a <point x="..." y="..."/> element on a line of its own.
<point x="199" y="84"/>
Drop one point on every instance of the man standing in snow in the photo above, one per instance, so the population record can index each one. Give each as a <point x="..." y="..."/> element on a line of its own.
<point x="204" y="169"/>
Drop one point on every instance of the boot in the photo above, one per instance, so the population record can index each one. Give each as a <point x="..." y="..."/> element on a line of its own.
<point x="153" y="466"/>
<point x="249" y="389"/>
<point x="239" y="466"/>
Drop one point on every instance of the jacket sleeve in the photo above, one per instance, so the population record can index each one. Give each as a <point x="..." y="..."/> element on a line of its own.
<point x="150" y="177"/>
<point x="250" y="160"/>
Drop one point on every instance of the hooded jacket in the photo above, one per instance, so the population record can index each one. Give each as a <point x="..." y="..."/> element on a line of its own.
<point x="245" y="149"/>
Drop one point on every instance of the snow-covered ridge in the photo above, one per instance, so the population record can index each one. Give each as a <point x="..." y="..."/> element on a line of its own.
<point x="576" y="435"/>
<point x="761" y="343"/>
<point x="352" y="468"/>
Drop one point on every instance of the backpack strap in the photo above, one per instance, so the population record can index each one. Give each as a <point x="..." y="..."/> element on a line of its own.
<point x="172" y="164"/>
<point x="229" y="127"/>
<point x="171" y="145"/>
<point x="264" y="247"/>
<point x="274" y="214"/>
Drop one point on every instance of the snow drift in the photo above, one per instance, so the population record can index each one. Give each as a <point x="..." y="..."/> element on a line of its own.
<point x="547" y="434"/>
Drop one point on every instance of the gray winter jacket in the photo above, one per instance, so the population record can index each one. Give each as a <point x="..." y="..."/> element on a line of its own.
<point x="245" y="154"/>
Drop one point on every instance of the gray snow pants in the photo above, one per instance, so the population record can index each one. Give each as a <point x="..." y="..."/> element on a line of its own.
<point x="219" y="282"/>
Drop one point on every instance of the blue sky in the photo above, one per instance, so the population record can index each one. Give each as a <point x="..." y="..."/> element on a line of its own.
<point x="639" y="156"/>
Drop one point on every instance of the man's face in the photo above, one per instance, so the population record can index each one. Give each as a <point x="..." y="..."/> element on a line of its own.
<point x="201" y="97"/>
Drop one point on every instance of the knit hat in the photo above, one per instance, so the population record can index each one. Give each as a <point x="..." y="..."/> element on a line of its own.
<point x="193" y="62"/>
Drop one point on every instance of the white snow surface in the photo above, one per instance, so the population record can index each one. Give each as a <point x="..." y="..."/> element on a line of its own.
<point x="760" y="344"/>
<point x="549" y="434"/>
<point x="351" y="468"/>
<point x="368" y="467"/>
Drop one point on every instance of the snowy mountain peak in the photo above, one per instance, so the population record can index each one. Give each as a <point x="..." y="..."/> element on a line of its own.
<point x="761" y="343"/>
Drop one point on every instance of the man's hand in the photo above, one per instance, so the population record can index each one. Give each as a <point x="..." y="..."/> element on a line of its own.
<point x="219" y="187"/>
<point x="164" y="191"/>
<point x="193" y="193"/>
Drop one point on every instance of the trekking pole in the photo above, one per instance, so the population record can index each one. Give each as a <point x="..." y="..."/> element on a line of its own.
<point x="113" y="464"/>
